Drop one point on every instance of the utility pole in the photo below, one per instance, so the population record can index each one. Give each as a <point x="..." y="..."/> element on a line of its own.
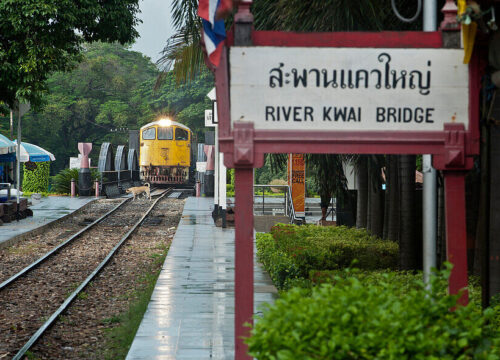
<point x="11" y="124"/>
<point x="429" y="198"/>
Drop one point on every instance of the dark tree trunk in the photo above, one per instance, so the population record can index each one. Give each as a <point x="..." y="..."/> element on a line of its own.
<point x="376" y="211"/>
<point x="375" y="200"/>
<point x="407" y="244"/>
<point x="393" y="221"/>
<point x="362" y="198"/>
<point x="385" y="234"/>
<point x="369" y="201"/>
<point x="494" y="225"/>
<point x="481" y="255"/>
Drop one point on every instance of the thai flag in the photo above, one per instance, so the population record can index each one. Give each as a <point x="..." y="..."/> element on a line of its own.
<point x="214" y="31"/>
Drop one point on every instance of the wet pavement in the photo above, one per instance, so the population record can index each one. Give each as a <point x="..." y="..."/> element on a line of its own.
<point x="48" y="209"/>
<point x="191" y="312"/>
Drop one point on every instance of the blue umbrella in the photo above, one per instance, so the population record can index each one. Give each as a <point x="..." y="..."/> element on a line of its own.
<point x="34" y="153"/>
<point x="6" y="146"/>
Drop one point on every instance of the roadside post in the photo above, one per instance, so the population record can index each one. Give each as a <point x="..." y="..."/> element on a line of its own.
<point x="386" y="93"/>
<point x="20" y="109"/>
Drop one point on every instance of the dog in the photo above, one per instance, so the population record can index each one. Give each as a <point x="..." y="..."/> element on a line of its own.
<point x="137" y="190"/>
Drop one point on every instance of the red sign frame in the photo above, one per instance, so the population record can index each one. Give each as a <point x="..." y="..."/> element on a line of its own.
<point x="244" y="148"/>
<point x="350" y="142"/>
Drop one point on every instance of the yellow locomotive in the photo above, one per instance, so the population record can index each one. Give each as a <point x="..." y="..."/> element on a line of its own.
<point x="165" y="152"/>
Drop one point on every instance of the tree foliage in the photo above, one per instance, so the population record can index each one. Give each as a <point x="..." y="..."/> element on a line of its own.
<point x="109" y="91"/>
<point x="39" y="37"/>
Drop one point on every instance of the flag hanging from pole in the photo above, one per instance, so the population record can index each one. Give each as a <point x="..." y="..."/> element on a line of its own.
<point x="214" y="31"/>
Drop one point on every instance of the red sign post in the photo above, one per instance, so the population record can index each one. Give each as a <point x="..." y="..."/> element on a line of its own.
<point x="270" y="105"/>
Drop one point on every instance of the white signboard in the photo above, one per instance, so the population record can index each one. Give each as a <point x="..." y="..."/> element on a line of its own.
<point x="75" y="162"/>
<point x="208" y="118"/>
<point x="201" y="166"/>
<point x="355" y="89"/>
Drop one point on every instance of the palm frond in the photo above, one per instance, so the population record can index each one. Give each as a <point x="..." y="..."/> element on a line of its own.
<point x="183" y="55"/>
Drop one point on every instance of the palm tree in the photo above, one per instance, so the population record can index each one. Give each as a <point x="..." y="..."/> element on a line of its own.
<point x="362" y="184"/>
<point x="407" y="240"/>
<point x="307" y="16"/>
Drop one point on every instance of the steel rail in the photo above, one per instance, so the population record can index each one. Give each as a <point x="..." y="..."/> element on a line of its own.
<point x="59" y="247"/>
<point x="82" y="286"/>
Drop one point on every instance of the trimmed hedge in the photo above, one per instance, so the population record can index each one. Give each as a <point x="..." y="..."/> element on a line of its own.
<point x="290" y="251"/>
<point x="279" y="265"/>
<point x="36" y="177"/>
<point x="374" y="318"/>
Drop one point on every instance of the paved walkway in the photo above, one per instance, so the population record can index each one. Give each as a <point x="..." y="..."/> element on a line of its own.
<point x="191" y="313"/>
<point x="49" y="208"/>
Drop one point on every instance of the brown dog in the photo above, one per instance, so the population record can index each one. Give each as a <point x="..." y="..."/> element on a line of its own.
<point x="137" y="190"/>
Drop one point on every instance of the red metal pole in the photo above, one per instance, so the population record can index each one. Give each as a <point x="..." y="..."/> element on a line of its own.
<point x="96" y="183"/>
<point x="456" y="235"/>
<point x="73" y="188"/>
<point x="243" y="259"/>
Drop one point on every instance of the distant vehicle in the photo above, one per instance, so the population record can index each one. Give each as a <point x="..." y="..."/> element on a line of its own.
<point x="165" y="155"/>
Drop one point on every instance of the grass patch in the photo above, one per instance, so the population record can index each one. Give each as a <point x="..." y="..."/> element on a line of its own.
<point x="115" y="319"/>
<point x="119" y="338"/>
<point x="82" y="295"/>
<point x="29" y="355"/>
<point x="24" y="249"/>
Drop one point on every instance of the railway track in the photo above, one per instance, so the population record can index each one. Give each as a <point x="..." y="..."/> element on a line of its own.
<point x="68" y="265"/>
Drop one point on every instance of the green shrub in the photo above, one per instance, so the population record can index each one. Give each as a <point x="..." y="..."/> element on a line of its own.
<point x="329" y="248"/>
<point x="36" y="176"/>
<point x="360" y="319"/>
<point x="62" y="181"/>
<point x="280" y="266"/>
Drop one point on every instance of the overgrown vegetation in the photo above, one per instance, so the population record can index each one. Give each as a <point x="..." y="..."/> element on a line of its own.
<point x="36" y="177"/>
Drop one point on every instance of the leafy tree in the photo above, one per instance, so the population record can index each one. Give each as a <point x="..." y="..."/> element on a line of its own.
<point x="40" y="37"/>
<point x="186" y="103"/>
<point x="109" y="90"/>
<point x="84" y="105"/>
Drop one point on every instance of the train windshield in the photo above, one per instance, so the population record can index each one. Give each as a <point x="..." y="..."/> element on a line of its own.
<point x="165" y="133"/>
<point x="181" y="134"/>
<point x="149" y="134"/>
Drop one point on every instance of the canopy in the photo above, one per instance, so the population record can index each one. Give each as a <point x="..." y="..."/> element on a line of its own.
<point x="6" y="146"/>
<point x="34" y="153"/>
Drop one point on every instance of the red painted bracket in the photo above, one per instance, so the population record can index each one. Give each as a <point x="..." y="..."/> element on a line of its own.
<point x="243" y="134"/>
<point x="454" y="156"/>
<point x="244" y="154"/>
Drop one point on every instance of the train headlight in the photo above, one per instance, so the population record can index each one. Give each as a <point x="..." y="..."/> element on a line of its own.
<point x="165" y="122"/>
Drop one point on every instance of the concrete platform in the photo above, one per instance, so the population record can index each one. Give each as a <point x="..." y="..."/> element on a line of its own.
<point x="191" y="313"/>
<point x="49" y="209"/>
